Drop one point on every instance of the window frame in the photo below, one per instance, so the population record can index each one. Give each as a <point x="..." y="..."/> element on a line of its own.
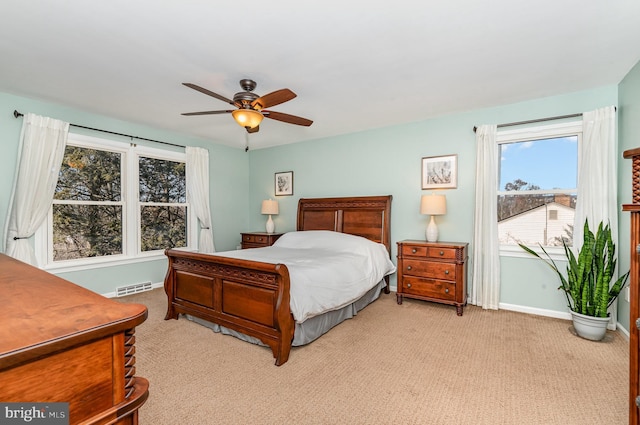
<point x="131" y="248"/>
<point x="571" y="128"/>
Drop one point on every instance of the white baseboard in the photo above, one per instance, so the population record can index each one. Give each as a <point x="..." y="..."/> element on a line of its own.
<point x="535" y="311"/>
<point x="623" y="330"/>
<point x="554" y="314"/>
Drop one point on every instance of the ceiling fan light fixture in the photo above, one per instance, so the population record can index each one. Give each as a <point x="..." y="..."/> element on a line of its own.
<point x="247" y="117"/>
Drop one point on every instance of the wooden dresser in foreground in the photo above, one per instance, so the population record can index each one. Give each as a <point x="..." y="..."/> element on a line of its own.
<point x="634" y="288"/>
<point x="258" y="239"/>
<point x="433" y="271"/>
<point x="60" y="342"/>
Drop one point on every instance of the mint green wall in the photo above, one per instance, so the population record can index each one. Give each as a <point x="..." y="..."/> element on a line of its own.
<point x="375" y="162"/>
<point x="228" y="189"/>
<point x="388" y="161"/>
<point x="628" y="138"/>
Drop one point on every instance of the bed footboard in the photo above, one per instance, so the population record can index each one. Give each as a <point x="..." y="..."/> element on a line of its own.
<point x="247" y="296"/>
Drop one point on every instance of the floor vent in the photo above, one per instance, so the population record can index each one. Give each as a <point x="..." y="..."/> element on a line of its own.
<point x="133" y="289"/>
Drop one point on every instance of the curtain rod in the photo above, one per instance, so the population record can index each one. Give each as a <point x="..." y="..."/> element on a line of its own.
<point x="559" y="117"/>
<point x="18" y="115"/>
<point x="534" y="121"/>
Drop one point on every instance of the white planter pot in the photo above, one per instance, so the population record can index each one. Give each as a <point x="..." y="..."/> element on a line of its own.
<point x="589" y="327"/>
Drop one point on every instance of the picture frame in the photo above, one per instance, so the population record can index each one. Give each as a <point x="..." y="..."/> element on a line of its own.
<point x="440" y="172"/>
<point x="284" y="183"/>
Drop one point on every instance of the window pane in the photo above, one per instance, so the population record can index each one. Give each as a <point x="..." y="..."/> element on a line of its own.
<point x="89" y="175"/>
<point x="162" y="181"/>
<point x="81" y="231"/>
<point x="163" y="227"/>
<point x="536" y="219"/>
<point x="540" y="164"/>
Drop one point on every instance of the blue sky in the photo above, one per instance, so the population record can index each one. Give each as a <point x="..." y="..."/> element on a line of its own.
<point x="548" y="163"/>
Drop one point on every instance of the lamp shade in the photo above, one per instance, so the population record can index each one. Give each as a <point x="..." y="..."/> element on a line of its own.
<point x="433" y="204"/>
<point x="247" y="117"/>
<point x="269" y="206"/>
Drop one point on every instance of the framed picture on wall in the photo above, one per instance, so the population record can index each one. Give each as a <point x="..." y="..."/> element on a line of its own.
<point x="284" y="183"/>
<point x="440" y="172"/>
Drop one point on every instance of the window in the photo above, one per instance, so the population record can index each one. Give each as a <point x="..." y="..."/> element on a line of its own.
<point x="115" y="202"/>
<point x="163" y="209"/>
<point x="537" y="190"/>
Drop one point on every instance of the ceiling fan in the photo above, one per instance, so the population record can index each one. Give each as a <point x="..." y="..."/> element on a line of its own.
<point x="251" y="107"/>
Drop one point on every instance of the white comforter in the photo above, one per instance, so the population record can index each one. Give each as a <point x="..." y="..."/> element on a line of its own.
<point x="328" y="270"/>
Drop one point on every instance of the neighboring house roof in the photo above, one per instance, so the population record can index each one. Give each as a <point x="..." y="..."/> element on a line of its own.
<point x="538" y="208"/>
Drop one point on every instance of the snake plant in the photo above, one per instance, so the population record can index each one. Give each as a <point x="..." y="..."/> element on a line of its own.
<point x="587" y="284"/>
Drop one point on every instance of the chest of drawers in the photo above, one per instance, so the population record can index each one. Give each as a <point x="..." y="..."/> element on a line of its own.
<point x="433" y="271"/>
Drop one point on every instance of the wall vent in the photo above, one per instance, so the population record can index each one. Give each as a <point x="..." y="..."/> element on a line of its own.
<point x="133" y="289"/>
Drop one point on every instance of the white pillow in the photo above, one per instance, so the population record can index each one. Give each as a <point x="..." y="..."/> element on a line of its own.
<point x="326" y="239"/>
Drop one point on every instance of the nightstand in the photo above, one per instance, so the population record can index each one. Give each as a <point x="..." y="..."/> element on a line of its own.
<point x="258" y="239"/>
<point x="433" y="271"/>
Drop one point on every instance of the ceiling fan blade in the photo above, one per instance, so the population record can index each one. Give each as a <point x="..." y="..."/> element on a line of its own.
<point x="274" y="98"/>
<point x="253" y="130"/>
<point x="290" y="119"/>
<point x="210" y="93"/>
<point x="207" y="113"/>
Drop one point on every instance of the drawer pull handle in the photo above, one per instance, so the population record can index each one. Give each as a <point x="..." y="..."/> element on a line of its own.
<point x="446" y="291"/>
<point x="408" y="285"/>
<point x="441" y="253"/>
<point x="413" y="251"/>
<point x="408" y="267"/>
<point x="446" y="272"/>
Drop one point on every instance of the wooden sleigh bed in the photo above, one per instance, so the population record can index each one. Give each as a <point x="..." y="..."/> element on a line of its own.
<point x="252" y="297"/>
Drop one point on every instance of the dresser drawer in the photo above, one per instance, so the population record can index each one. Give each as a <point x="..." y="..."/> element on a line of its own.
<point x="429" y="252"/>
<point x="255" y="239"/>
<point x="258" y="239"/>
<point x="431" y="269"/>
<point x="432" y="288"/>
<point x="446" y="253"/>
<point x="414" y="251"/>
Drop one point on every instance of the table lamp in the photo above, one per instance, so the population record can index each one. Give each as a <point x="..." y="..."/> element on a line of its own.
<point x="433" y="205"/>
<point x="269" y="206"/>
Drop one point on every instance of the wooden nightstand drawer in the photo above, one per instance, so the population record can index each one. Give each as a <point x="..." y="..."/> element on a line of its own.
<point x="432" y="288"/>
<point x="445" y="253"/>
<point x="431" y="269"/>
<point x="414" y="251"/>
<point x="429" y="252"/>
<point x="258" y="239"/>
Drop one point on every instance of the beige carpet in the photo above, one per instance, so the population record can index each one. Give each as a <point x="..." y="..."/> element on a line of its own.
<point x="418" y="363"/>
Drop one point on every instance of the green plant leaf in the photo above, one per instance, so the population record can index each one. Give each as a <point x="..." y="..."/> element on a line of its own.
<point x="587" y="285"/>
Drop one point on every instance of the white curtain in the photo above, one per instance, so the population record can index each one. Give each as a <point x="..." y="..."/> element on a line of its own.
<point x="198" y="194"/>
<point x="597" y="181"/>
<point x="42" y="144"/>
<point x="485" y="290"/>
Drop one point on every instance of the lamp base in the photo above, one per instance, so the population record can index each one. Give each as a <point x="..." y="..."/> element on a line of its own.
<point x="271" y="227"/>
<point x="432" y="230"/>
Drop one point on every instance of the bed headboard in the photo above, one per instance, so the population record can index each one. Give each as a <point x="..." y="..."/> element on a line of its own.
<point x="366" y="216"/>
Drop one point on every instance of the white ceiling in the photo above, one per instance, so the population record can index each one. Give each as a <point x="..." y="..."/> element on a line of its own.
<point x="355" y="65"/>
